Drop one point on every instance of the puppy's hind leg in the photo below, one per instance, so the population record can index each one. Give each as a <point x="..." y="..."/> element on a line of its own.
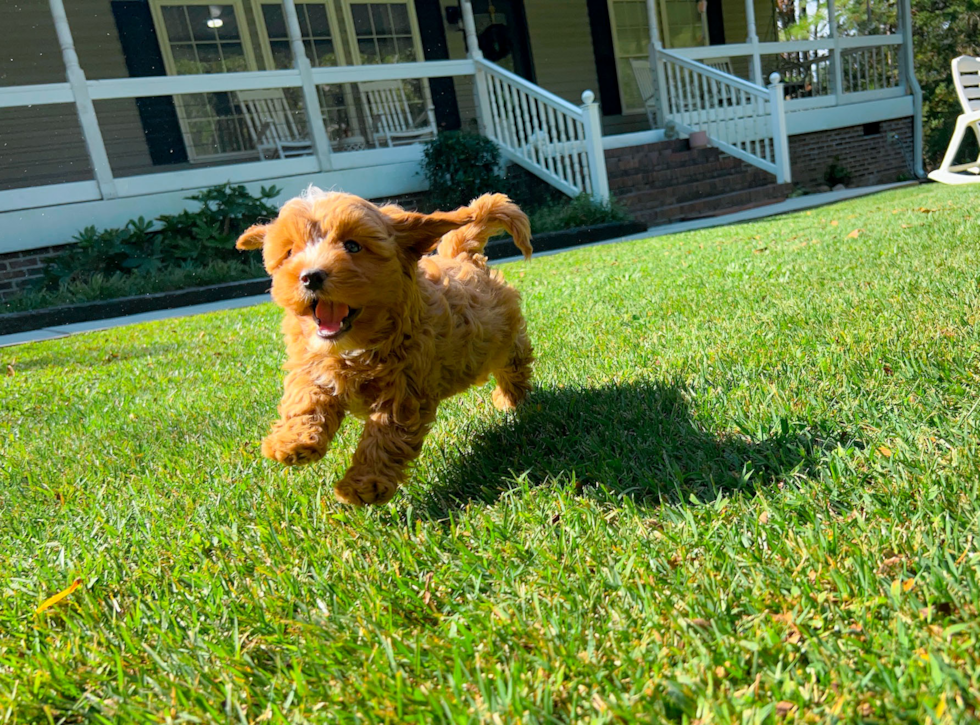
<point x="309" y="419"/>
<point x="514" y="378"/>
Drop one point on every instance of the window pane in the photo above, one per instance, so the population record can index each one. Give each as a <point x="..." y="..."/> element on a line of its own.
<point x="228" y="30"/>
<point x="198" y="17"/>
<point x="175" y="22"/>
<point x="406" y="50"/>
<point x="362" y="19"/>
<point x="324" y="53"/>
<point x="233" y="55"/>
<point x="282" y="57"/>
<point x="367" y="51"/>
<point x="382" y="19"/>
<point x="275" y="23"/>
<point x="319" y="25"/>
<point x="210" y="58"/>
<point x="386" y="50"/>
<point x="304" y="23"/>
<point x="185" y="59"/>
<point x="399" y="16"/>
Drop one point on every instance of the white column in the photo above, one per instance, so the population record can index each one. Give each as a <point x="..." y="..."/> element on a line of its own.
<point x="311" y="100"/>
<point x="753" y="38"/>
<point x="780" y="141"/>
<point x="480" y="78"/>
<point x="659" y="77"/>
<point x="593" y="146"/>
<point x="911" y="82"/>
<point x="654" y="23"/>
<point x="837" y="73"/>
<point x="87" y="117"/>
<point x="469" y="28"/>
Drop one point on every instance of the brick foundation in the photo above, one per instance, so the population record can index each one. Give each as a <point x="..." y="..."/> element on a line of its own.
<point x="877" y="153"/>
<point x="20" y="270"/>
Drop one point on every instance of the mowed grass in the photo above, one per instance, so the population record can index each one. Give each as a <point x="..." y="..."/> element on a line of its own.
<point x="745" y="490"/>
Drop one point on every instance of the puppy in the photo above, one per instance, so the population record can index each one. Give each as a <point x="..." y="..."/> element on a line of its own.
<point x="377" y="329"/>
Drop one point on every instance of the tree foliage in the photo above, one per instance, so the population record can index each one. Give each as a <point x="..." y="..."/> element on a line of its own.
<point x="942" y="29"/>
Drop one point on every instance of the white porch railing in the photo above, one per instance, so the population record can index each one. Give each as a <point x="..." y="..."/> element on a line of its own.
<point x="818" y="73"/>
<point x="742" y="119"/>
<point x="547" y="135"/>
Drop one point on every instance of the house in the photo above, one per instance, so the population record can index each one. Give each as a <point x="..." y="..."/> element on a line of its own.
<point x="112" y="109"/>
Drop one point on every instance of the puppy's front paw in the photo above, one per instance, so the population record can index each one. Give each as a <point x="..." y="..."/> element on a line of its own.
<point x="366" y="489"/>
<point x="295" y="442"/>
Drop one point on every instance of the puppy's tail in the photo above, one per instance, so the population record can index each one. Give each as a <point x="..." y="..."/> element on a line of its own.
<point x="490" y="214"/>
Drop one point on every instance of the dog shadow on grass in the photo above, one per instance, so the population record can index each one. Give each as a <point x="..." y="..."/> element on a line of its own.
<point x="639" y="440"/>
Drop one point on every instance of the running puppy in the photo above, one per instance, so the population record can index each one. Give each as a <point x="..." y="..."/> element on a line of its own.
<point x="376" y="328"/>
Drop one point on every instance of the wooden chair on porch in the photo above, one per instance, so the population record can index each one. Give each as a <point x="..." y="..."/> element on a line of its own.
<point x="387" y="108"/>
<point x="643" y="74"/>
<point x="271" y="124"/>
<point x="966" y="77"/>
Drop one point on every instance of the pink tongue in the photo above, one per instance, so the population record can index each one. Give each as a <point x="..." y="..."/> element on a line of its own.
<point x="331" y="315"/>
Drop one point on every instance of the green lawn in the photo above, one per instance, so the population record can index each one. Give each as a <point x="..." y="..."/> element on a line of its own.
<point x="745" y="490"/>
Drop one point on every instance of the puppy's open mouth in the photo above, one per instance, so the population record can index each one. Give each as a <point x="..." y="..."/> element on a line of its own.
<point x="332" y="319"/>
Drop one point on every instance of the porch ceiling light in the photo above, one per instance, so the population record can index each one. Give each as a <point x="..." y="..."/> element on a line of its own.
<point x="215" y="20"/>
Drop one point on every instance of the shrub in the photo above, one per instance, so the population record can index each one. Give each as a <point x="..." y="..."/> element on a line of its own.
<point x="582" y="211"/>
<point x="460" y="166"/>
<point x="101" y="286"/>
<point x="188" y="240"/>
<point x="837" y="173"/>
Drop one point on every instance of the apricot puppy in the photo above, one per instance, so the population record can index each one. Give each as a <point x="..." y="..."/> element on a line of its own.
<point x="377" y="329"/>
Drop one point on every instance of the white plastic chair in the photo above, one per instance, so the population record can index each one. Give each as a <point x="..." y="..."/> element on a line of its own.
<point x="271" y="125"/>
<point x="386" y="106"/>
<point x="643" y="74"/>
<point x="966" y="77"/>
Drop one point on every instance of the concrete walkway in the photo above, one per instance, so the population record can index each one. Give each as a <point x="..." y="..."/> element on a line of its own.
<point x="790" y="205"/>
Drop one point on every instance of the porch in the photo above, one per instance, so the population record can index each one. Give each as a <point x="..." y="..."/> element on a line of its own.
<point x="134" y="134"/>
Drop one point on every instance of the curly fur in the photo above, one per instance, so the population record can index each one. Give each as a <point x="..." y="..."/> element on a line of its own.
<point x="425" y="327"/>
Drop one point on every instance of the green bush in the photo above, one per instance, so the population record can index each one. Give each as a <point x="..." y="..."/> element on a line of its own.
<point x="583" y="211"/>
<point x="460" y="166"/>
<point x="188" y="240"/>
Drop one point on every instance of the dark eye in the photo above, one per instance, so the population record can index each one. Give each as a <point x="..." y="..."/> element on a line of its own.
<point x="351" y="246"/>
<point x="289" y="253"/>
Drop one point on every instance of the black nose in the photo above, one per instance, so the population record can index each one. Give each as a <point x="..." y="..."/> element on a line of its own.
<point x="313" y="279"/>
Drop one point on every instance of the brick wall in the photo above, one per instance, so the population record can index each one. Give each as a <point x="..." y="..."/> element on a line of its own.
<point x="19" y="270"/>
<point x="873" y="153"/>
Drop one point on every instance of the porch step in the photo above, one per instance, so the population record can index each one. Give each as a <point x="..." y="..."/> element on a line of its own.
<point x="668" y="181"/>
<point x="711" y="206"/>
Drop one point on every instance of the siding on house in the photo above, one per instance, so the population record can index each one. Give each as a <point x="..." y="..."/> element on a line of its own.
<point x="561" y="46"/>
<point x="44" y="144"/>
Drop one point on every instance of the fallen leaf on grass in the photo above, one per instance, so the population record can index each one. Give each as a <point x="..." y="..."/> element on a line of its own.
<point x="885" y="451"/>
<point x="784" y="707"/>
<point x="925" y="210"/>
<point x="833" y="223"/>
<point x="764" y="517"/>
<point x="10" y="370"/>
<point x="51" y="601"/>
<point x="890" y="564"/>
<point x="855" y="234"/>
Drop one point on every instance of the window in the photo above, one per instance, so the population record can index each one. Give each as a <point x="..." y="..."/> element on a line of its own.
<point x="631" y="39"/>
<point x="384" y="32"/>
<point x="199" y="37"/>
<point x="387" y="32"/>
<point x="316" y="26"/>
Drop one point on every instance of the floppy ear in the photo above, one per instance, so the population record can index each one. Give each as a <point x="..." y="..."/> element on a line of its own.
<point x="253" y="237"/>
<point x="418" y="234"/>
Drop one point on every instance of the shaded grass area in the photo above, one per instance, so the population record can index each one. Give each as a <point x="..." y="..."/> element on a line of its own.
<point x="745" y="489"/>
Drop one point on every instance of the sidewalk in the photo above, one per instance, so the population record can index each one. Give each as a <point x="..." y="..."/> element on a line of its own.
<point x="785" y="207"/>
